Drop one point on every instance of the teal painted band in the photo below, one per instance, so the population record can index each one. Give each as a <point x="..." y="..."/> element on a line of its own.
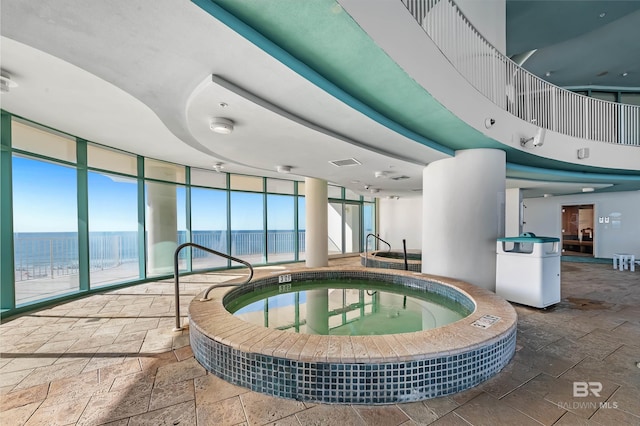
<point x="571" y="174"/>
<point x="311" y="75"/>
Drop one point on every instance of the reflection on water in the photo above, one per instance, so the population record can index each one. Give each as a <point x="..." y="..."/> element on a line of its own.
<point x="357" y="310"/>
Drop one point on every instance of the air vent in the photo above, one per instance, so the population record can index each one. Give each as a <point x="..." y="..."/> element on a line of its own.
<point x="347" y="162"/>
<point x="403" y="177"/>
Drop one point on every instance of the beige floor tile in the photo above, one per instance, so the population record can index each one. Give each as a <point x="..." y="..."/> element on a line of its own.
<point x="486" y="410"/>
<point x="389" y="415"/>
<point x="53" y="372"/>
<point x="419" y="412"/>
<point x="330" y="415"/>
<point x="223" y="412"/>
<point x="114" y="406"/>
<point x="287" y="421"/>
<point x="209" y="389"/>
<point x="24" y="397"/>
<point x="18" y="416"/>
<point x="607" y="415"/>
<point x="125" y="368"/>
<point x="179" y="371"/>
<point x="261" y="409"/>
<point x="441" y="406"/>
<point x="132" y="383"/>
<point x="451" y="419"/>
<point x="534" y="406"/>
<point x="14" y="377"/>
<point x="183" y="414"/>
<point x="58" y="412"/>
<point x="171" y="394"/>
<point x="570" y="419"/>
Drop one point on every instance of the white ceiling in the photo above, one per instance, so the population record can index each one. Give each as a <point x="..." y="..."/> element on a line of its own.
<point x="148" y="78"/>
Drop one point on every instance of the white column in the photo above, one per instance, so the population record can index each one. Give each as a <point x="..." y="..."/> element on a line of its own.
<point x="463" y="215"/>
<point x="162" y="225"/>
<point x="513" y="212"/>
<point x="316" y="220"/>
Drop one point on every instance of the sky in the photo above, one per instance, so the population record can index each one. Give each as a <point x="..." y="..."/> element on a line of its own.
<point x="45" y="200"/>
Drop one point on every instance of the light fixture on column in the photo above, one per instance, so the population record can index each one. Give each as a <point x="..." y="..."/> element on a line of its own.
<point x="221" y="125"/>
<point x="536" y="140"/>
<point x="583" y="153"/>
<point x="6" y="83"/>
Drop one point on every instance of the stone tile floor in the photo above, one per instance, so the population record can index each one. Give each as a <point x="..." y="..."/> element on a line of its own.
<point x="113" y="359"/>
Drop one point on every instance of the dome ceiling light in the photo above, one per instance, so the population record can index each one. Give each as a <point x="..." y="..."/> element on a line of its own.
<point x="223" y="126"/>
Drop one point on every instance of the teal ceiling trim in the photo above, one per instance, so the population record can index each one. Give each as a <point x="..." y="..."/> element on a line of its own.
<point x="323" y="44"/>
<point x="315" y="77"/>
<point x="568" y="175"/>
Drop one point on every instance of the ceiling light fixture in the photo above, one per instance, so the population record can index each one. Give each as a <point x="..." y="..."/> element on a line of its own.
<point x="6" y="83"/>
<point x="588" y="189"/>
<point x="223" y="126"/>
<point x="283" y="169"/>
<point x="624" y="74"/>
<point x="380" y="174"/>
<point x="603" y="14"/>
<point x="218" y="167"/>
<point x="547" y="74"/>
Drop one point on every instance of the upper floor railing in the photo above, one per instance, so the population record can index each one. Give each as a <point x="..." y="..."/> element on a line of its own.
<point x="516" y="90"/>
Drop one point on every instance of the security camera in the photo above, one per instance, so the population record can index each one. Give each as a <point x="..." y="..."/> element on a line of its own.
<point x="538" y="139"/>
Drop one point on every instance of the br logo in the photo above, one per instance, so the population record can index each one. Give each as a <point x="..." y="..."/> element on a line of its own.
<point x="582" y="389"/>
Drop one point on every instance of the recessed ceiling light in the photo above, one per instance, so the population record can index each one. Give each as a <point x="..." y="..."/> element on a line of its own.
<point x="588" y="189"/>
<point x="548" y="73"/>
<point x="283" y="169"/>
<point x="221" y="125"/>
<point x="624" y="74"/>
<point x="218" y="167"/>
<point x="223" y="104"/>
<point x="603" y="14"/>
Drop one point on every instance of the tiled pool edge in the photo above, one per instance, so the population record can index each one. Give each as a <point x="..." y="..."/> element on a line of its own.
<point x="412" y="373"/>
<point x="371" y="261"/>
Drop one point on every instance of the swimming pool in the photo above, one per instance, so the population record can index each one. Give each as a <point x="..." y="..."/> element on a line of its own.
<point x="365" y="369"/>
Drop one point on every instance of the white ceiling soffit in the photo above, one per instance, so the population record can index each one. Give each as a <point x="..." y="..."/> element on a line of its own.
<point x="266" y="136"/>
<point x="535" y="189"/>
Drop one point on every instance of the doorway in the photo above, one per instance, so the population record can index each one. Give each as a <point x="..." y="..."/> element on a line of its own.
<point x="578" y="230"/>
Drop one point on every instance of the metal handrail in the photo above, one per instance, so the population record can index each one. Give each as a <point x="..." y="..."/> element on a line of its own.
<point x="366" y="246"/>
<point x="206" y="293"/>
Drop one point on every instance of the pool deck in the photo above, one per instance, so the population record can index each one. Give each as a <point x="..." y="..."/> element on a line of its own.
<point x="113" y="358"/>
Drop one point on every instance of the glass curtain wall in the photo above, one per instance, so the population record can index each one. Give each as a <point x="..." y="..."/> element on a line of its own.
<point x="45" y="224"/>
<point x="85" y="217"/>
<point x="247" y="226"/>
<point x="113" y="229"/>
<point x="281" y="234"/>
<point x="209" y="226"/>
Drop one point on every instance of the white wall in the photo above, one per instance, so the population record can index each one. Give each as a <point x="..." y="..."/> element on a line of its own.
<point x="401" y="219"/>
<point x="543" y="217"/>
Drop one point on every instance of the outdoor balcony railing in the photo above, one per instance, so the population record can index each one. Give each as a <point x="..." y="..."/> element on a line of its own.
<point x="52" y="256"/>
<point x="516" y="90"/>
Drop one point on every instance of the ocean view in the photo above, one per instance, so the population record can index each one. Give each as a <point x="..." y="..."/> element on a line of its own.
<point x="51" y="254"/>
